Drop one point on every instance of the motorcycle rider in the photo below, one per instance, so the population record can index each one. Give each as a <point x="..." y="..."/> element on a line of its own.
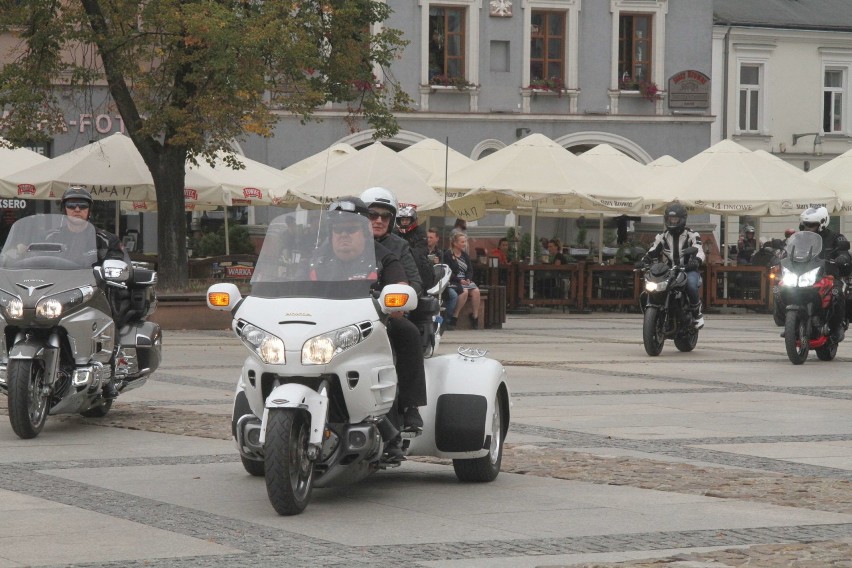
<point x="404" y="335"/>
<point x="815" y="219"/>
<point x="746" y="246"/>
<point x="77" y="205"/>
<point x="669" y="246"/>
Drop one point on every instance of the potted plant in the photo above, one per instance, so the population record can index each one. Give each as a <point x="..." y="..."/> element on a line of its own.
<point x="459" y="83"/>
<point x="648" y="89"/>
<point x="553" y="84"/>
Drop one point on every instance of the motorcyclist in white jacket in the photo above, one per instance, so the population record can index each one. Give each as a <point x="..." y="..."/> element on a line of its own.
<point x="669" y="246"/>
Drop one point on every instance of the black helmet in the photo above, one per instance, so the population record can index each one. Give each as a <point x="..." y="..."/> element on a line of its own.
<point x="77" y="193"/>
<point x="407" y="212"/>
<point x="675" y="218"/>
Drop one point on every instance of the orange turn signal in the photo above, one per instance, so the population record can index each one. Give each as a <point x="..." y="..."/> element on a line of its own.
<point x="395" y="300"/>
<point x="220" y="299"/>
<point x="772" y="276"/>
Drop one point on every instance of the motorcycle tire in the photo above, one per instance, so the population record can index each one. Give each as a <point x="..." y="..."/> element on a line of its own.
<point x="288" y="471"/>
<point x="487" y="467"/>
<point x="826" y="352"/>
<point x="796" y="337"/>
<point x="256" y="468"/>
<point x="98" y="411"/>
<point x="686" y="342"/>
<point x="28" y="400"/>
<point x="653" y="335"/>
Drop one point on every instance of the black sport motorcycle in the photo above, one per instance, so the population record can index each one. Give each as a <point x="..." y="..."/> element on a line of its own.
<point x="666" y="306"/>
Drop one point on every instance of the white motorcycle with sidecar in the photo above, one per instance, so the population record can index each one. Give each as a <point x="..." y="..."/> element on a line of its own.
<point x="315" y="404"/>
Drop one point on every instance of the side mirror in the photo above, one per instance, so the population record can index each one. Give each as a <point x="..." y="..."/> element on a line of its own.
<point x="397" y="298"/>
<point x="115" y="270"/>
<point x="223" y="296"/>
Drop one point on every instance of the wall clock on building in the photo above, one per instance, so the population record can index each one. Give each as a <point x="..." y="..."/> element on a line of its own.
<point x="501" y="8"/>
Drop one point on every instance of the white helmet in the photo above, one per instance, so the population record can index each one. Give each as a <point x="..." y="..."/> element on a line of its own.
<point x="813" y="216"/>
<point x="381" y="197"/>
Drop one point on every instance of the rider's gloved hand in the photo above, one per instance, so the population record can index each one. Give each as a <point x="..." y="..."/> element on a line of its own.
<point x="693" y="265"/>
<point x="639" y="264"/>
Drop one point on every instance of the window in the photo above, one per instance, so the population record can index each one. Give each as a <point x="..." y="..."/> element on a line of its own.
<point x="748" y="110"/>
<point x="547" y="47"/>
<point x="634" y="49"/>
<point x="832" y="96"/>
<point x="446" y="43"/>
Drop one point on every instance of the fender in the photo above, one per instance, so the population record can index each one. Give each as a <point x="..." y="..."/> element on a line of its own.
<point x="293" y="395"/>
<point x="28" y="349"/>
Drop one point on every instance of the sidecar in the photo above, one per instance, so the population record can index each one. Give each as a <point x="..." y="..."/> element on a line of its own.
<point x="467" y="415"/>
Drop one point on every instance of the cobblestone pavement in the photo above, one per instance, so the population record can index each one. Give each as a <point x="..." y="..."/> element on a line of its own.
<point x="708" y="465"/>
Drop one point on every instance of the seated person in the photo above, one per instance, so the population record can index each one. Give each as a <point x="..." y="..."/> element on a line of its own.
<point x="502" y="251"/>
<point x="462" y="272"/>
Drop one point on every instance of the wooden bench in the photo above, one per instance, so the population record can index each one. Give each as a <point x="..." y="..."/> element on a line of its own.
<point x="492" y="309"/>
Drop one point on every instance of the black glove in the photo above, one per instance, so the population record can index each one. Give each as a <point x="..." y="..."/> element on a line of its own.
<point x="640" y="265"/>
<point x="693" y="265"/>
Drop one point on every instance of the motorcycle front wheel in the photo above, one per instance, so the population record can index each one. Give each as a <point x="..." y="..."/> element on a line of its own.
<point x="653" y="334"/>
<point x="288" y="471"/>
<point x="686" y="342"/>
<point x="28" y="397"/>
<point x="796" y="337"/>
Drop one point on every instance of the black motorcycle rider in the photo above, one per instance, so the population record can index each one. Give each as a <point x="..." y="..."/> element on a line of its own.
<point x="77" y="206"/>
<point x="404" y="335"/>
<point x="670" y="244"/>
<point x="816" y="220"/>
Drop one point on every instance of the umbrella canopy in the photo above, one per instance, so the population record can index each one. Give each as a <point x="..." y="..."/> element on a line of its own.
<point x="837" y="176"/>
<point x="662" y="163"/>
<point x="537" y="171"/>
<point x="254" y="184"/>
<point x="437" y="158"/>
<point x="111" y="169"/>
<point x="616" y="163"/>
<point x="15" y="159"/>
<point x="729" y="179"/>
<point x="317" y="162"/>
<point x="375" y="165"/>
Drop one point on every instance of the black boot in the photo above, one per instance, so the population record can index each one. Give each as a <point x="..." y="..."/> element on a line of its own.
<point x="697" y="316"/>
<point x="109" y="391"/>
<point x="411" y="418"/>
<point x="450" y="324"/>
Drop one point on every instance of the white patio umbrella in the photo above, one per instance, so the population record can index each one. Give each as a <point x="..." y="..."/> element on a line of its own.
<point x="729" y="179"/>
<point x="537" y="172"/>
<point x="437" y="158"/>
<point x="16" y="159"/>
<point x="318" y="162"/>
<point x="375" y="165"/>
<point x="662" y="164"/>
<point x="616" y="163"/>
<point x="836" y="175"/>
<point x="111" y="169"/>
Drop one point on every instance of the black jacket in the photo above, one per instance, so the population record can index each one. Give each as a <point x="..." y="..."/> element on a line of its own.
<point x="400" y="248"/>
<point x="841" y="259"/>
<point x="416" y="240"/>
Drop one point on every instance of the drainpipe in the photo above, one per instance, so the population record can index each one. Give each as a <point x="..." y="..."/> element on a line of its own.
<point x="725" y="84"/>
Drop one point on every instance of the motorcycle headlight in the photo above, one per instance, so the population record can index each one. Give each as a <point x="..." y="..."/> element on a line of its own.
<point x="788" y="277"/>
<point x="656" y="286"/>
<point x="12" y="305"/>
<point x="51" y="307"/>
<point x="268" y="347"/>
<point x="321" y="349"/>
<point x="809" y="278"/>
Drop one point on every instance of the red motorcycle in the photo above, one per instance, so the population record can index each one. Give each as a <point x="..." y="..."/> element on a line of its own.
<point x="805" y="292"/>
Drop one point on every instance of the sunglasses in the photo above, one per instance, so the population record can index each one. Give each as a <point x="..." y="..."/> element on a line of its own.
<point x="346" y="229"/>
<point x="77" y="205"/>
<point x="383" y="215"/>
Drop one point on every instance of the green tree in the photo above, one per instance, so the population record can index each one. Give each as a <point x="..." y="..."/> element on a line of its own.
<point x="213" y="244"/>
<point x="190" y="76"/>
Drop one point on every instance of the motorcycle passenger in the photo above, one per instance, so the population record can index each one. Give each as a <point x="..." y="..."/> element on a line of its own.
<point x="746" y="246"/>
<point x="76" y="205"/>
<point x="816" y="220"/>
<point x="669" y="246"/>
<point x="403" y="335"/>
<point x="383" y="207"/>
<point x="408" y="229"/>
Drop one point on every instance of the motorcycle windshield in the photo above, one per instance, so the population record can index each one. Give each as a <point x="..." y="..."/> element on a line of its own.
<point x="53" y="242"/>
<point x="317" y="254"/>
<point x="803" y="246"/>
